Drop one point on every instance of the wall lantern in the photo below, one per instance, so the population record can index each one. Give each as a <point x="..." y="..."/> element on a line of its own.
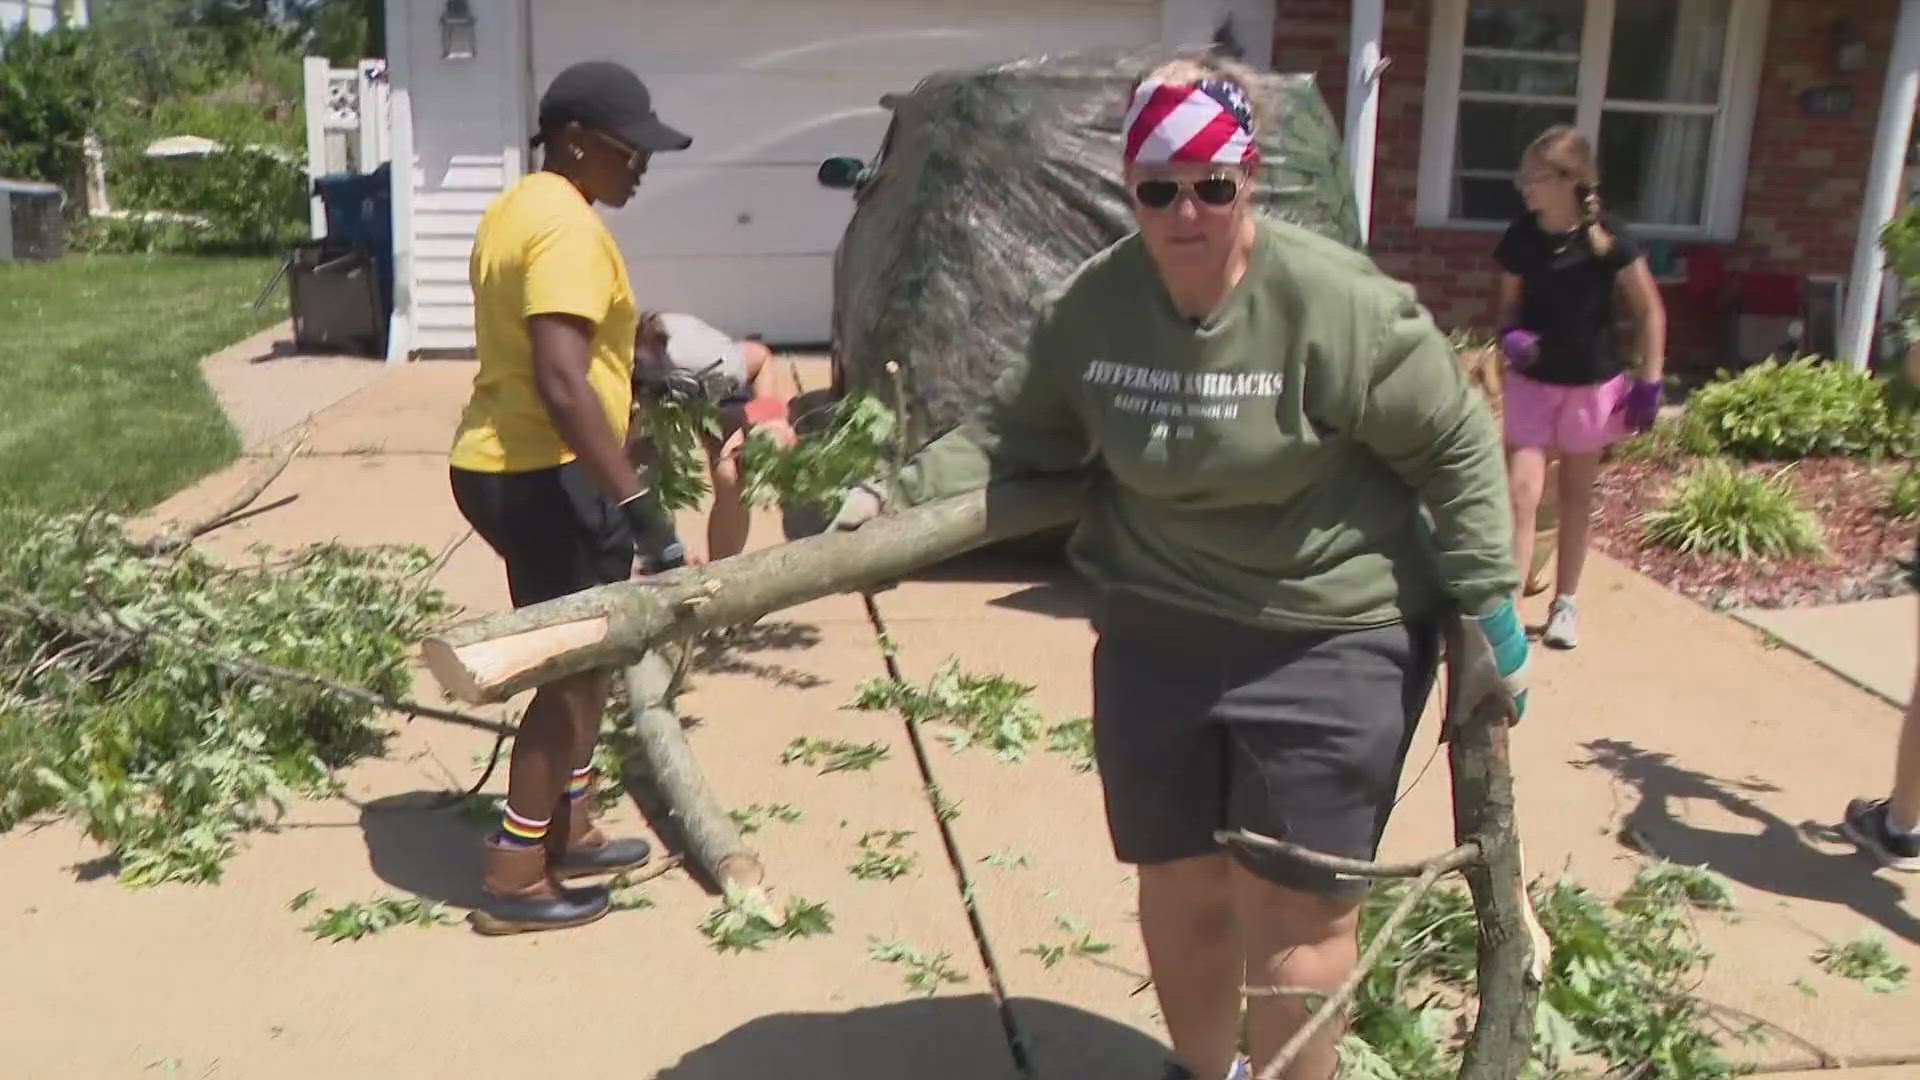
<point x="457" y="31"/>
<point x="1849" y="48"/>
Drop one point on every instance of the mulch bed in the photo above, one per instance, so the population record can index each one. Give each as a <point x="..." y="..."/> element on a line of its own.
<point x="1863" y="544"/>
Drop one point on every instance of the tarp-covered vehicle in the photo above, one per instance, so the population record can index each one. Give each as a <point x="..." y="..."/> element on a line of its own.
<point x="992" y="185"/>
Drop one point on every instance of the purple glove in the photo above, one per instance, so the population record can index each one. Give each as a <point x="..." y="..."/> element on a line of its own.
<point x="1520" y="346"/>
<point x="1642" y="405"/>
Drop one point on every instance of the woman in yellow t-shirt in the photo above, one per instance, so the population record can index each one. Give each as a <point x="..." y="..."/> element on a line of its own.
<point x="540" y="470"/>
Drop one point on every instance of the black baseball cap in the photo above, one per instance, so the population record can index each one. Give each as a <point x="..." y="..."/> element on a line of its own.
<point x="604" y="95"/>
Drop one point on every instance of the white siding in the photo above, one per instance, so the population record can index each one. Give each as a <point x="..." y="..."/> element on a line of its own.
<point x="39" y="14"/>
<point x="736" y="229"/>
<point x="468" y="136"/>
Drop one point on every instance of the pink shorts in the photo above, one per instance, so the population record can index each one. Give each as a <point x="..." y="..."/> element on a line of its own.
<point x="1570" y="419"/>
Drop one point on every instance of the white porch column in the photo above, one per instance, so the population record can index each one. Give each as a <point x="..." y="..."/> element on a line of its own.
<point x="1883" y="187"/>
<point x="313" y="70"/>
<point x="400" y="69"/>
<point x="1364" y="66"/>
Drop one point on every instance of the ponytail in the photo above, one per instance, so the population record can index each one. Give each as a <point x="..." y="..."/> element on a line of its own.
<point x="1598" y="238"/>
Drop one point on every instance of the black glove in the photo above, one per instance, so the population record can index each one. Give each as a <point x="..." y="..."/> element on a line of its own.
<point x="670" y="384"/>
<point x="654" y="537"/>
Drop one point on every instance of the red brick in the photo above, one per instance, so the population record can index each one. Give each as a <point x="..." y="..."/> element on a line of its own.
<point x="1804" y="181"/>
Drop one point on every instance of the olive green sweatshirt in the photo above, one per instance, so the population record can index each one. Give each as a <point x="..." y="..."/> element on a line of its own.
<point x="1271" y="464"/>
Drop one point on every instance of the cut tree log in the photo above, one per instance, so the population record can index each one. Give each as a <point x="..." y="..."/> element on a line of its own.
<point x="712" y="841"/>
<point x="492" y="658"/>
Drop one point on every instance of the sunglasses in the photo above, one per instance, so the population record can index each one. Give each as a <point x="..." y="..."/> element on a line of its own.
<point x="1212" y="191"/>
<point x="636" y="159"/>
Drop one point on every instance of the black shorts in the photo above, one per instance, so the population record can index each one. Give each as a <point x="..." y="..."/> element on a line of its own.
<point x="1203" y="723"/>
<point x="556" y="532"/>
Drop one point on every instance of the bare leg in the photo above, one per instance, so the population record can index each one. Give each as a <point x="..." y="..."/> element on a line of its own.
<point x="588" y="711"/>
<point x="729" y="520"/>
<point x="1193" y="949"/>
<point x="1577" y="474"/>
<point x="1526" y="479"/>
<point x="1903" y="810"/>
<point x="1294" y="939"/>
<point x="556" y="736"/>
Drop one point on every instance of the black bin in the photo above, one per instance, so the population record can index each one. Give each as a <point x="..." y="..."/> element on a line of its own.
<point x="335" y="294"/>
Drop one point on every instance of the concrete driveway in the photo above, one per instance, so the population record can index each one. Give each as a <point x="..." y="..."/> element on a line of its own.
<point x="1673" y="726"/>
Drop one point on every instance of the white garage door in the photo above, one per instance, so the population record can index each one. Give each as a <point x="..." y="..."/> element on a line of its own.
<point x="736" y="229"/>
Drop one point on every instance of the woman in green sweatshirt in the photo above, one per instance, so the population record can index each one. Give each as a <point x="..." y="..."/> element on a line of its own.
<point x="1264" y="417"/>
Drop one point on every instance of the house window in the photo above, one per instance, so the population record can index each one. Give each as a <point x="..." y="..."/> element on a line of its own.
<point x="1665" y="88"/>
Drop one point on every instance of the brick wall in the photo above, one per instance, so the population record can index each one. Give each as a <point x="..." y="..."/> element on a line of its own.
<point x="1806" y="176"/>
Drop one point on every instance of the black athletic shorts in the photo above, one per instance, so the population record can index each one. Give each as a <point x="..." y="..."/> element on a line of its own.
<point x="1203" y="723"/>
<point x="556" y="532"/>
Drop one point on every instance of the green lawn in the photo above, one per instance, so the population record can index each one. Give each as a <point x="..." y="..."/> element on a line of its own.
<point x="101" y="399"/>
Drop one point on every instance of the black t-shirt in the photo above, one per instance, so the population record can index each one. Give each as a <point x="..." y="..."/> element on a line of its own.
<point x="1566" y="297"/>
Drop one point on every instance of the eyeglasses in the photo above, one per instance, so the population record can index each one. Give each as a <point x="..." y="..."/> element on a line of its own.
<point x="1213" y="191"/>
<point x="636" y="159"/>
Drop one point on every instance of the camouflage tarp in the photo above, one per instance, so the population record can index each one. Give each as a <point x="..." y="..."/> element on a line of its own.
<point x="993" y="185"/>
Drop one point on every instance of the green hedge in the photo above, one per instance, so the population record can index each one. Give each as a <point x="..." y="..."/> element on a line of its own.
<point x="1807" y="407"/>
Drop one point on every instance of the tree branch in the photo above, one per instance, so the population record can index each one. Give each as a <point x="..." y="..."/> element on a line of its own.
<point x="495" y="657"/>
<point x="712" y="839"/>
<point x="182" y="534"/>
<point x="1382" y="940"/>
<point x="113" y="632"/>
<point x="1446" y="861"/>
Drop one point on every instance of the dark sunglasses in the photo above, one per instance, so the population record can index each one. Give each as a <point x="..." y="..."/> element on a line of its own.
<point x="636" y="159"/>
<point x="1213" y="191"/>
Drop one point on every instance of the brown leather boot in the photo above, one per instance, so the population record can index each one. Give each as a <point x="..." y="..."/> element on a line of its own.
<point x="576" y="847"/>
<point x="518" y="894"/>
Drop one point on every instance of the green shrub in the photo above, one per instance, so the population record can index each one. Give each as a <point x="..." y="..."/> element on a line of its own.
<point x="52" y="88"/>
<point x="1903" y="494"/>
<point x="137" y="233"/>
<point x="1807" y="407"/>
<point x="249" y="200"/>
<point x="1717" y="509"/>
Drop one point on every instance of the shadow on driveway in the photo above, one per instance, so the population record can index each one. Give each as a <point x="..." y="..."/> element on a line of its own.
<point x="1779" y="859"/>
<point x="422" y="849"/>
<point x="951" y="1038"/>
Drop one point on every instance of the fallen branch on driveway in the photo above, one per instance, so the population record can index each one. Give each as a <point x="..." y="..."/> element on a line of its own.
<point x="712" y="839"/>
<point x="184" y="533"/>
<point x="104" y="627"/>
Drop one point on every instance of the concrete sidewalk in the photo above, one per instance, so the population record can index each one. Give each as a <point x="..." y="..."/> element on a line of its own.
<point x="1671" y="725"/>
<point x="268" y="388"/>
<point x="1871" y="643"/>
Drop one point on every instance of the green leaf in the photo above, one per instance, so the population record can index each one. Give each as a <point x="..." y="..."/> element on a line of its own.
<point x="834" y="755"/>
<point x="1866" y="960"/>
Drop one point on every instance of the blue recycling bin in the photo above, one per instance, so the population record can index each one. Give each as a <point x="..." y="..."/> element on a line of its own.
<point x="359" y="212"/>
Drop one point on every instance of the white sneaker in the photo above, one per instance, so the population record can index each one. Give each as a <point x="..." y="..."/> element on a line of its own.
<point x="1242" y="1070"/>
<point x="1563" y="631"/>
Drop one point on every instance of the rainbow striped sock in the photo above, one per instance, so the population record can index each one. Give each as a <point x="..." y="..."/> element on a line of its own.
<point x="518" y="831"/>
<point x="579" y="784"/>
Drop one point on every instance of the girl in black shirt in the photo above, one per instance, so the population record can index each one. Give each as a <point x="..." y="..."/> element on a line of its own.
<point x="1566" y="392"/>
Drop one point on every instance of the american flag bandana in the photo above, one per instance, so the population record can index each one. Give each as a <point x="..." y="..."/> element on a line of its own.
<point x="1207" y="123"/>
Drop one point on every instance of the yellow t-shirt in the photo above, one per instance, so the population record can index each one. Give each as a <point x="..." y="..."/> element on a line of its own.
<point x="541" y="250"/>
